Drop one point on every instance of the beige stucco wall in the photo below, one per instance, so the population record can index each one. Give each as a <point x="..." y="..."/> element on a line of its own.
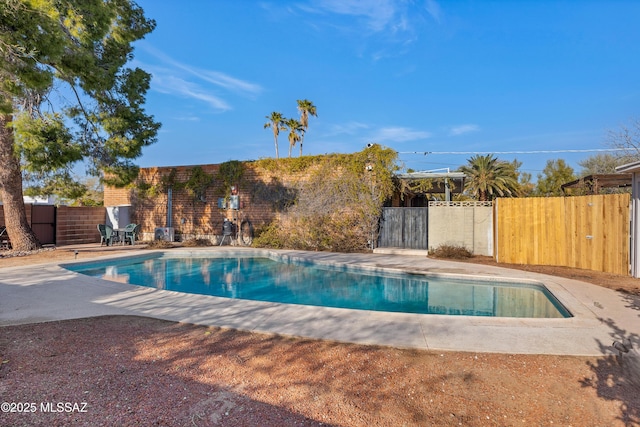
<point x="468" y="226"/>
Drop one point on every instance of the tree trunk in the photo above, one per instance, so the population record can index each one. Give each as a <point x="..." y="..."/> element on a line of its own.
<point x="275" y="140"/>
<point x="15" y="214"/>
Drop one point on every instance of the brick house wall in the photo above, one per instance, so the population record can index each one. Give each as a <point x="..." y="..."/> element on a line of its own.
<point x="116" y="196"/>
<point x="261" y="194"/>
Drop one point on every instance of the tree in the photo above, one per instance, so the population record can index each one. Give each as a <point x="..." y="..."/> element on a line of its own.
<point x="276" y="123"/>
<point x="602" y="164"/>
<point x="488" y="178"/>
<point x="86" y="192"/>
<point x="306" y="109"/>
<point x="555" y="173"/>
<point x="626" y="139"/>
<point x="525" y="187"/>
<point x="82" y="47"/>
<point x="296" y="132"/>
<point x="94" y="195"/>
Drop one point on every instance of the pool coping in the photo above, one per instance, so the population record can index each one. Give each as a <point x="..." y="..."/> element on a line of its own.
<point x="599" y="315"/>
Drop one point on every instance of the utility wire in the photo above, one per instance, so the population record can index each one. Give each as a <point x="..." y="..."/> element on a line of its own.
<point x="592" y="150"/>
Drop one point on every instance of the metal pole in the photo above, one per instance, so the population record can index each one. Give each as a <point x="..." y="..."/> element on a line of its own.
<point x="447" y="190"/>
<point x="169" y="206"/>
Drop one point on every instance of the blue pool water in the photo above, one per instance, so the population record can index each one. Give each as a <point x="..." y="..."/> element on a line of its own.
<point x="265" y="279"/>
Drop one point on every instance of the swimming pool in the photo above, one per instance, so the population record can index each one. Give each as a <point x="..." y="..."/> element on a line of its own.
<point x="290" y="282"/>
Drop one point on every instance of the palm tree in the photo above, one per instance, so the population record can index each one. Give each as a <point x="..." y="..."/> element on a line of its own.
<point x="488" y="178"/>
<point x="306" y="108"/>
<point x="296" y="132"/>
<point x="276" y="123"/>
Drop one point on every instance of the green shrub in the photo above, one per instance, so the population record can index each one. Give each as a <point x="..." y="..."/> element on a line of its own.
<point x="269" y="237"/>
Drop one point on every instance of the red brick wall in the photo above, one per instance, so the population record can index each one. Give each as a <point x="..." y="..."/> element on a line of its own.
<point x="257" y="189"/>
<point x="116" y="196"/>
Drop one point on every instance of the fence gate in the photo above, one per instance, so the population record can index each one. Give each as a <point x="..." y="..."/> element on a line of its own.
<point x="405" y="228"/>
<point x="43" y="223"/>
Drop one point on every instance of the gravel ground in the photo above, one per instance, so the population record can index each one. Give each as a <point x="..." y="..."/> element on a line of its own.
<point x="135" y="371"/>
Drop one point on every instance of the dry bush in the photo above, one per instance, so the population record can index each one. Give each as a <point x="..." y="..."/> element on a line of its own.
<point x="339" y="205"/>
<point x="332" y="213"/>
<point x="196" y="243"/>
<point x="339" y="233"/>
<point x="159" y="244"/>
<point x="451" y="251"/>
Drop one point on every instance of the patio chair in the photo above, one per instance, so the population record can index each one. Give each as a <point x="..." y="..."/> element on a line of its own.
<point x="106" y="234"/>
<point x="4" y="238"/>
<point x="131" y="232"/>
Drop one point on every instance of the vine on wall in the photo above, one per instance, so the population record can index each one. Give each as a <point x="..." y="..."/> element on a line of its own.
<point x="328" y="202"/>
<point x="338" y="204"/>
<point x="197" y="184"/>
<point x="230" y="173"/>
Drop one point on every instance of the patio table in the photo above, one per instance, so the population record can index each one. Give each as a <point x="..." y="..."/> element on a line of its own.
<point x="118" y="235"/>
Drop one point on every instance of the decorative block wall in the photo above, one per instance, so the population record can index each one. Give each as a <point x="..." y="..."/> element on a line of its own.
<point x="78" y="225"/>
<point x="73" y="225"/>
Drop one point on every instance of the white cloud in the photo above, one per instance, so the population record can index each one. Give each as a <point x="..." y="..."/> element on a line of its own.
<point x="223" y="80"/>
<point x="463" y="129"/>
<point x="376" y="28"/>
<point x="367" y="133"/>
<point x="174" y="77"/>
<point x="187" y="118"/>
<point x="378" y="14"/>
<point x="399" y="134"/>
<point x="434" y="10"/>
<point x="392" y="22"/>
<point x="166" y="83"/>
<point x="350" y="128"/>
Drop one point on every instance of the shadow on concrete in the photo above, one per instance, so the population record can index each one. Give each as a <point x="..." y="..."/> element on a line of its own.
<point x="616" y="377"/>
<point x="631" y="301"/>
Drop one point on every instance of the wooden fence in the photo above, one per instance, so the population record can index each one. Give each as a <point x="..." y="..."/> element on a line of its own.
<point x="588" y="232"/>
<point x="404" y="228"/>
<point x="467" y="224"/>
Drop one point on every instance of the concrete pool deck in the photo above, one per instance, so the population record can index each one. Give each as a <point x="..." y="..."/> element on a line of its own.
<point x="48" y="292"/>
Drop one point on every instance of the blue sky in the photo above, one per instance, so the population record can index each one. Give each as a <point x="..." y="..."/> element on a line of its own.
<point x="412" y="75"/>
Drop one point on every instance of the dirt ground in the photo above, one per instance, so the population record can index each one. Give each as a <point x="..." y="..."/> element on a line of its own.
<point x="616" y="282"/>
<point x="135" y="371"/>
